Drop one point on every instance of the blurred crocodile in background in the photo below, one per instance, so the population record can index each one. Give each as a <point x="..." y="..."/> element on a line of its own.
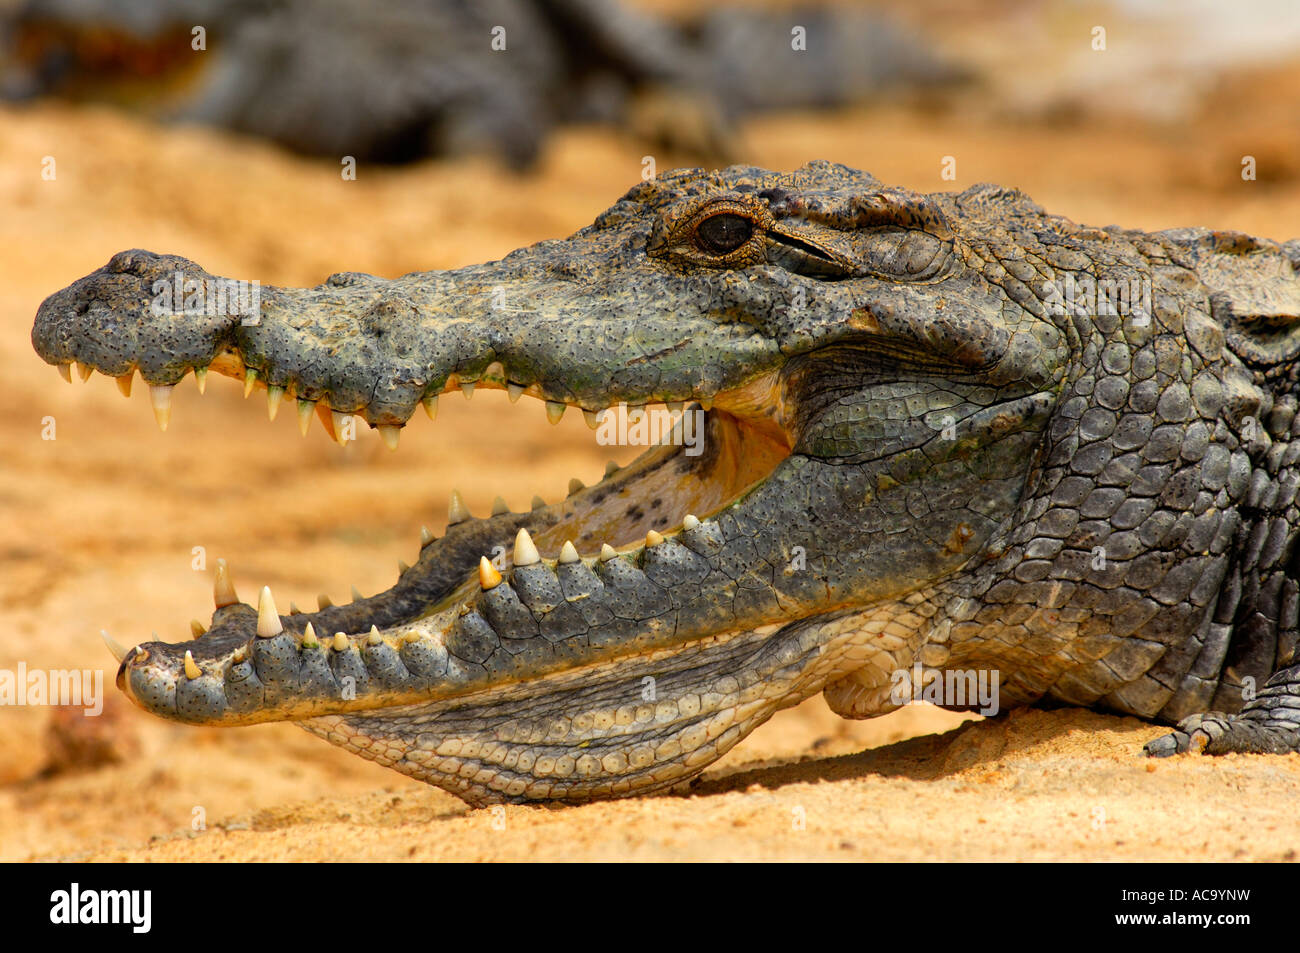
<point x="403" y="79"/>
<point x="944" y="434"/>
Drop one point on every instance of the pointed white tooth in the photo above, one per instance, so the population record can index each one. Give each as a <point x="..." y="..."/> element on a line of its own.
<point x="488" y="577"/>
<point x="268" y="620"/>
<point x="457" y="511"/>
<point x="293" y="609"/>
<point x="323" y="601"/>
<point x="197" y="628"/>
<point x="525" y="551"/>
<point x="160" y="395"/>
<point x="390" y="434"/>
<point x="554" y="411"/>
<point x="568" y="552"/>
<point x="201" y="378"/>
<point x="374" y="638"/>
<point x="223" y="590"/>
<point x="607" y="552"/>
<point x="537" y="503"/>
<point x="339" y="419"/>
<point x="124" y="383"/>
<point x="305" y="408"/>
<point x="653" y="538"/>
<point x="690" y="522"/>
<point x="119" y="653"/>
<point x="611" y="468"/>
<point x="430" y="405"/>
<point x="499" y="506"/>
<point x="402" y="567"/>
<point x="250" y="380"/>
<point x="65" y="371"/>
<point x="575" y="485"/>
<point x="340" y="643"/>
<point x="192" y="670"/>
<point x="356" y="594"/>
<point x="592" y="418"/>
<point x="425" y="537"/>
<point x="273" y="397"/>
<point x="85" y="370"/>
<point x="514" y="392"/>
<point x="309" y="640"/>
<point x="467" y="389"/>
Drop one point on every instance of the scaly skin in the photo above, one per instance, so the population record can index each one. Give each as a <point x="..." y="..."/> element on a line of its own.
<point x="917" y="452"/>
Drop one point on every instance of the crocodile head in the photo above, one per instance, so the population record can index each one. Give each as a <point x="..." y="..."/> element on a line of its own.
<point x="863" y="397"/>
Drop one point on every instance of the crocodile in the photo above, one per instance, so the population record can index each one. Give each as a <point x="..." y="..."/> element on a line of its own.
<point x="405" y="79"/>
<point x="943" y="434"/>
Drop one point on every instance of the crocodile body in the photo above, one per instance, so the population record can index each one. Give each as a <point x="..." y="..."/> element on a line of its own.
<point x="929" y="447"/>
<point x="405" y="79"/>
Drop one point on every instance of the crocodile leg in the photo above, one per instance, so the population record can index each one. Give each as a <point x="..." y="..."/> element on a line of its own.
<point x="1268" y="724"/>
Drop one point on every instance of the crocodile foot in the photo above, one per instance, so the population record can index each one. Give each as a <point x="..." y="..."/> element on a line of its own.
<point x="1269" y="724"/>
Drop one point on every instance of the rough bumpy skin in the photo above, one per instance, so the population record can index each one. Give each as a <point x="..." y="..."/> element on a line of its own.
<point x="921" y="448"/>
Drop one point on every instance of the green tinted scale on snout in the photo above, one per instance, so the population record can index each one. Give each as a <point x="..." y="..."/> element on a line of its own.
<point x="926" y="442"/>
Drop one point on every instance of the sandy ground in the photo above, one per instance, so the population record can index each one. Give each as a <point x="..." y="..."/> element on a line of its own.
<point x="101" y="524"/>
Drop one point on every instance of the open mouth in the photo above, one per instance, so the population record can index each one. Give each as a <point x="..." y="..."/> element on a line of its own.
<point x="495" y="590"/>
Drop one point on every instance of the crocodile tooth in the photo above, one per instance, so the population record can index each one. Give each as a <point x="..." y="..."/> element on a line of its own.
<point x="514" y="392"/>
<point x="568" y="553"/>
<point x="401" y="568"/>
<point x="488" y="577"/>
<point x="453" y="381"/>
<point x="689" y="522"/>
<point x="293" y="609"/>
<point x="425" y="537"/>
<point x="575" y="485"/>
<point x="323" y="415"/>
<point x="499" y="506"/>
<point x="592" y="418"/>
<point x="430" y="405"/>
<point x="356" y="594"/>
<point x="374" y="638"/>
<point x="309" y="637"/>
<point x="467" y="388"/>
<point x="85" y="370"/>
<point x="706" y="403"/>
<point x="457" y="511"/>
<point x="250" y="379"/>
<point x="305" y="407"/>
<point x="653" y="538"/>
<point x="223" y="590"/>
<point x="340" y="643"/>
<point x="201" y="378"/>
<point x="273" y="397"/>
<point x="554" y="411"/>
<point x="192" y="670"/>
<point x="119" y="653"/>
<point x="197" y="628"/>
<point x="407" y="638"/>
<point x="538" y="503"/>
<point x="525" y="551"/>
<point x="239" y="654"/>
<point x="390" y="435"/>
<point x="124" y="383"/>
<point x="65" y="371"/>
<point x="611" y="468"/>
<point x="339" y="422"/>
<point x="160" y="395"/>
<point x="268" y="620"/>
<point x="607" y="552"/>
<point x="323" y="601"/>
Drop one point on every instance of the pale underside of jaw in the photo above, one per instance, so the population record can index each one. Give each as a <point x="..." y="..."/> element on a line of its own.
<point x="630" y="511"/>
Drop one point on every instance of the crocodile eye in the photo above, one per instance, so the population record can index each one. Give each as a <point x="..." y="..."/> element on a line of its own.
<point x="723" y="233"/>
